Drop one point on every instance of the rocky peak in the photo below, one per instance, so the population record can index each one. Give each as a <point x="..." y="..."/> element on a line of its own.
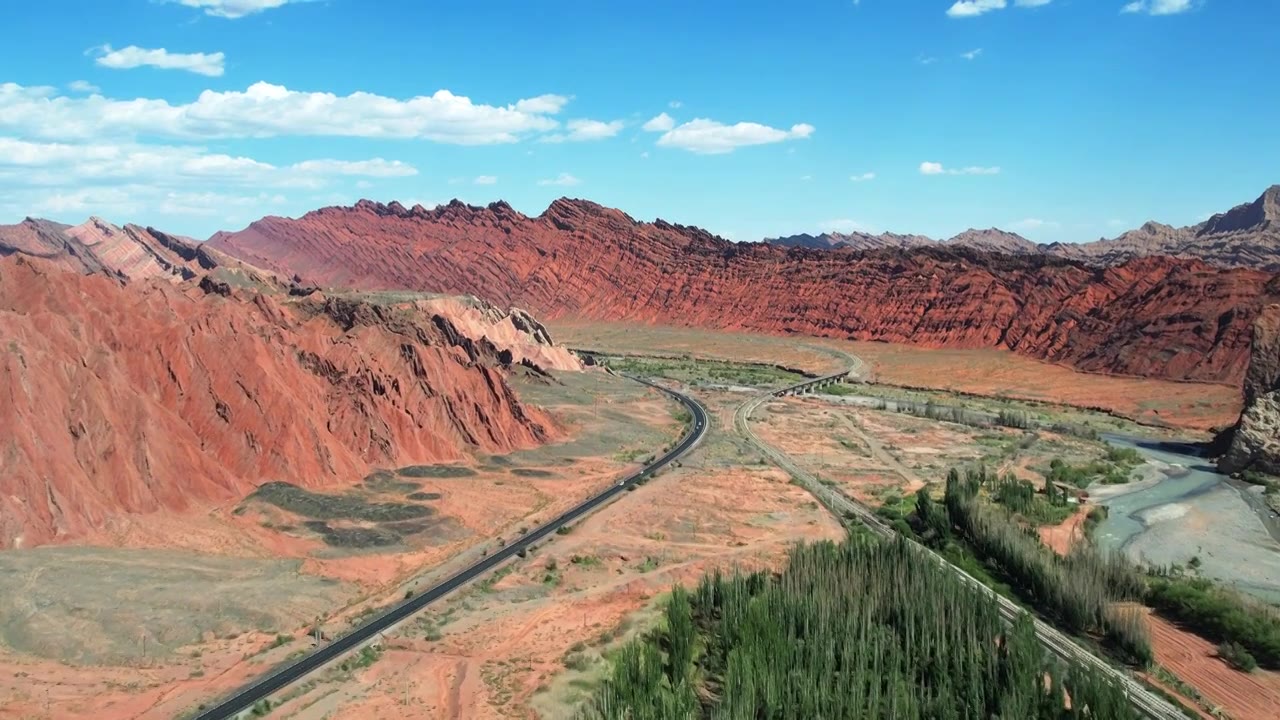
<point x="994" y="240"/>
<point x="1151" y="227"/>
<point x="1257" y="215"/>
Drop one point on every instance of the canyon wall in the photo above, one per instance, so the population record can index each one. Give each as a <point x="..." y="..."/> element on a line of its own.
<point x="1156" y="316"/>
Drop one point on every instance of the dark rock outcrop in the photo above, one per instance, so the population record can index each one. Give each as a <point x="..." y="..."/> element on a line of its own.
<point x="1255" y="441"/>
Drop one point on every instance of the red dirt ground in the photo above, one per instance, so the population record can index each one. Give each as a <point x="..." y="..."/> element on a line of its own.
<point x="1245" y="696"/>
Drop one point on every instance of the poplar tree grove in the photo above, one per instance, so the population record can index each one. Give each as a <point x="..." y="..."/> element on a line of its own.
<point x="861" y="629"/>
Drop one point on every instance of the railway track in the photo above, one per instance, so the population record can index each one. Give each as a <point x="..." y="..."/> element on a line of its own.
<point x="842" y="506"/>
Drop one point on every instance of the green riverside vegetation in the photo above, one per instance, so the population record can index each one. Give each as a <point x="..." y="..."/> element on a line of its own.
<point x="1020" y="497"/>
<point x="861" y="629"/>
<point x="1250" y="630"/>
<point x="1080" y="591"/>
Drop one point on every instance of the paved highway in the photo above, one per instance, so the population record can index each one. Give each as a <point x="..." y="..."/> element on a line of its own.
<point x="268" y="685"/>
<point x="1147" y="702"/>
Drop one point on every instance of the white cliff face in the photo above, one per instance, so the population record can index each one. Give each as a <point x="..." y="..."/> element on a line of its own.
<point x="1256" y="442"/>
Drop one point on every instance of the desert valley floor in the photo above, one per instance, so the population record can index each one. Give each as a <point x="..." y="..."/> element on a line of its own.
<point x="250" y="584"/>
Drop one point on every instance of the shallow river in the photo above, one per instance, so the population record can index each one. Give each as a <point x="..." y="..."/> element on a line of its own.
<point x="1184" y="509"/>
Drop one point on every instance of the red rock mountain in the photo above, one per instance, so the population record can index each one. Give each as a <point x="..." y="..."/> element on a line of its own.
<point x="131" y="252"/>
<point x="156" y="395"/>
<point x="1181" y="319"/>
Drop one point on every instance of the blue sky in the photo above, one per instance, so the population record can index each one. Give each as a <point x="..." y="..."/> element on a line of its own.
<point x="1060" y="119"/>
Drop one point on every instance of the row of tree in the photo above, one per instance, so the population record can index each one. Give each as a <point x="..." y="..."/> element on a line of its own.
<point x="1080" y="590"/>
<point x="863" y="629"/>
<point x="1007" y="417"/>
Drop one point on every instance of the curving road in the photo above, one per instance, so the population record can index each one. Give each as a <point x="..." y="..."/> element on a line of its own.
<point x="842" y="506"/>
<point x="272" y="683"/>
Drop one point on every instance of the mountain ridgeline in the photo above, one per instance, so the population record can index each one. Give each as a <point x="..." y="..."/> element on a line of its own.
<point x="1175" y="318"/>
<point x="1248" y="235"/>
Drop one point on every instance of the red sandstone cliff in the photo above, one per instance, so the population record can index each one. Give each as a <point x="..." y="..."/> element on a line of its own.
<point x="150" y="395"/>
<point x="1180" y="319"/>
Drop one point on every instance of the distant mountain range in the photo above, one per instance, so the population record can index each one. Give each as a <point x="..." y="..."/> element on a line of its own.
<point x="1247" y="235"/>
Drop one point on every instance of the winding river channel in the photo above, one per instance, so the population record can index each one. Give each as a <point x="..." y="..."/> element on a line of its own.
<point x="1183" y="509"/>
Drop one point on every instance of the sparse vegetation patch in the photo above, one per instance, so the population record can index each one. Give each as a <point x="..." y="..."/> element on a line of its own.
<point x="320" y="506"/>
<point x="532" y="473"/>
<point x="436" y="471"/>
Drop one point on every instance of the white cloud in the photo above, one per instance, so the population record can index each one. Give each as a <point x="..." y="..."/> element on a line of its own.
<point x="125" y="202"/>
<point x="233" y="9"/>
<point x="708" y="137"/>
<point x="377" y="167"/>
<point x="485" y="180"/>
<point x="1158" y="7"/>
<point x="675" y="104"/>
<point x="974" y="8"/>
<point x="563" y="179"/>
<point x="1030" y="224"/>
<point x="25" y="164"/>
<point x="661" y="123"/>
<point x="542" y="105"/>
<point x="806" y="178"/>
<point x="266" y="110"/>
<point x="133" y="182"/>
<point x="83" y="86"/>
<point x="864" y="177"/>
<point x="1116" y="223"/>
<point x="842" y="225"/>
<point x="644" y="155"/>
<point x="585" y="130"/>
<point x="926" y="59"/>
<point x="211" y="203"/>
<point x="972" y="54"/>
<point x="207" y="64"/>
<point x="933" y="168"/>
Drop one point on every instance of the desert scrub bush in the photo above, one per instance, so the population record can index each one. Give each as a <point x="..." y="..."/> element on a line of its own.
<point x="1014" y="419"/>
<point x="1237" y="657"/>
